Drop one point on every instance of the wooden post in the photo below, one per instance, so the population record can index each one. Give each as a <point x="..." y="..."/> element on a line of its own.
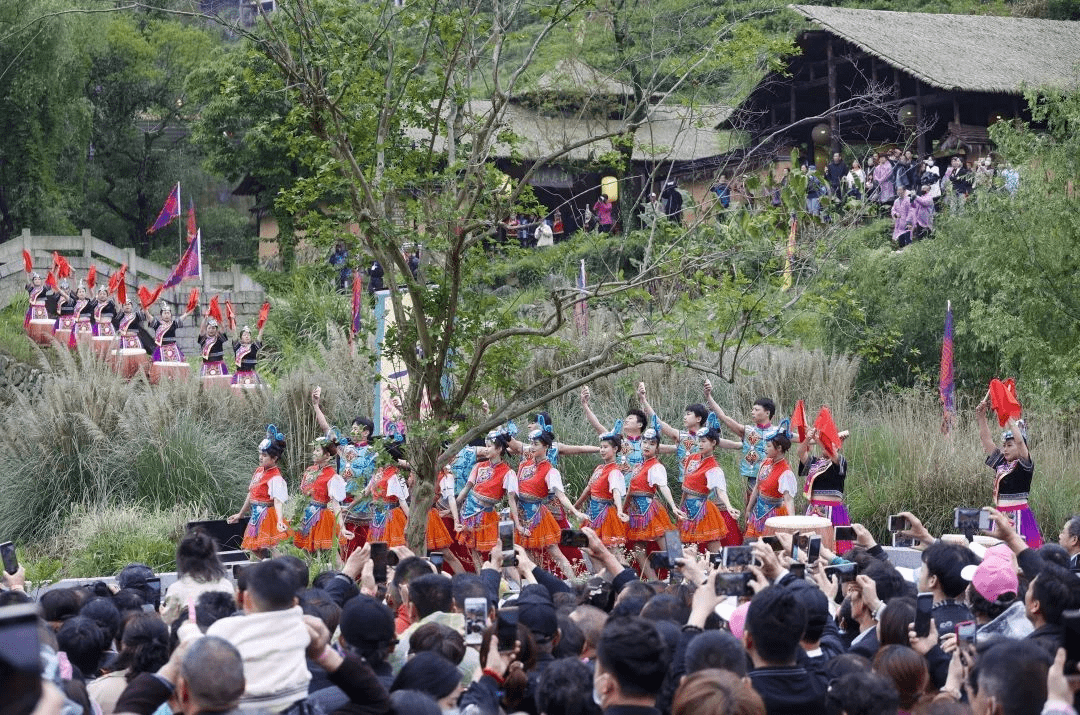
<point x="956" y="111"/>
<point x="834" y="120"/>
<point x="792" y="98"/>
<point x="921" y="144"/>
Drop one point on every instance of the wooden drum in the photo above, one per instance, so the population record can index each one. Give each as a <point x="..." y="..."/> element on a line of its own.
<point x="805" y="525"/>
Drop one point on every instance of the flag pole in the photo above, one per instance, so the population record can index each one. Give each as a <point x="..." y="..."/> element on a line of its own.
<point x="179" y="223"/>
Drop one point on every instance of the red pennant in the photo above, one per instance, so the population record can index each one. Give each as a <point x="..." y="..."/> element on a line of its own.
<point x="121" y="293"/>
<point x="215" y="310"/>
<point x="147" y="298"/>
<point x="193" y="300"/>
<point x="1004" y="400"/>
<point x="798" y="420"/>
<point x="263" y="314"/>
<point x="117" y="279"/>
<point x="91" y="277"/>
<point x="64" y="268"/>
<point x="28" y="262"/>
<point x="827" y="436"/>
<point x="192" y="228"/>
<point x="230" y="315"/>
<point x="50" y="280"/>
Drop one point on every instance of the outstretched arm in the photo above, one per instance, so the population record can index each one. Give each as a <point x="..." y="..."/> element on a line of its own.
<point x="569" y="449"/>
<point x="596" y="425"/>
<point x="984" y="427"/>
<point x="320" y="418"/>
<point x="732" y="425"/>
<point x="643" y="398"/>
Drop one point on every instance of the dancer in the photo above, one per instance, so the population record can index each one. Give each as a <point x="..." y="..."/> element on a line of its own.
<point x="168" y="361"/>
<point x="439" y="539"/>
<point x="1013" y="471"/>
<point x="542" y="421"/>
<point x="82" y="330"/>
<point x="65" y="313"/>
<point x="38" y="324"/>
<point x="389" y="497"/>
<point x="704" y="522"/>
<point x="490" y="480"/>
<point x="634" y="424"/>
<point x="130" y="356"/>
<point x="774" y="490"/>
<point x="606" y="492"/>
<point x="322" y="515"/>
<point x="246" y="352"/>
<point x="267" y="494"/>
<point x="754" y="437"/>
<point x="213" y="340"/>
<point x="824" y="485"/>
<point x="104" y="312"/>
<point x="648" y="518"/>
<point x="540" y="483"/>
<point x="696" y="419"/>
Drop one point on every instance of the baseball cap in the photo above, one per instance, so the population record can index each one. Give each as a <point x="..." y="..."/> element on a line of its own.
<point x="995" y="576"/>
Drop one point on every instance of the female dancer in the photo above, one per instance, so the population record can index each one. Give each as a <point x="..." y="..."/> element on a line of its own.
<point x="168" y="361"/>
<point x="129" y="356"/>
<point x="648" y="518"/>
<point x="490" y="480"/>
<point x="539" y="483"/>
<point x="267" y="494"/>
<point x="438" y="537"/>
<point x="38" y="324"/>
<point x="212" y="340"/>
<point x="607" y="491"/>
<point x="82" y="330"/>
<point x="104" y="313"/>
<point x="824" y="485"/>
<point x="246" y="352"/>
<point x="1013" y="472"/>
<point x="322" y="515"/>
<point x="389" y="498"/>
<point x="65" y="309"/>
<point x="774" y="492"/>
<point x="705" y="522"/>
<point x="542" y="422"/>
<point x="696" y="419"/>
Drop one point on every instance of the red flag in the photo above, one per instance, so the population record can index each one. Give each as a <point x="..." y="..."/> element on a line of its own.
<point x="190" y="265"/>
<point x="191" y="227"/>
<point x="193" y="300"/>
<point x="262" y="316"/>
<point x="147" y="298"/>
<point x="28" y="262"/>
<point x="117" y="279"/>
<point x="798" y="420"/>
<point x="230" y="315"/>
<point x="1003" y="398"/>
<point x="91" y="277"/>
<point x="65" y="268"/>
<point x="214" y="311"/>
<point x="357" y="300"/>
<point x="121" y="293"/>
<point x="169" y="211"/>
<point x="827" y="434"/>
<point x="50" y="280"/>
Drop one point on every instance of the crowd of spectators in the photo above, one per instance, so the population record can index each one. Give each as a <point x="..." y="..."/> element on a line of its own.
<point x="763" y="641"/>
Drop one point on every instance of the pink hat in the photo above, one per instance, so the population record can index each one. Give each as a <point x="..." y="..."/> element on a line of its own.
<point x="995" y="576"/>
<point x="737" y="622"/>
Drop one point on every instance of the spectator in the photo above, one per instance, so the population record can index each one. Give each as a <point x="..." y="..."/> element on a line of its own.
<point x="884" y="184"/>
<point x="902" y="219"/>
<point x="774" y="624"/>
<point x="414" y="264"/>
<point x="631" y="664"/>
<point x="571" y="640"/>
<point x="430" y="673"/>
<point x="566" y="689"/>
<point x="1009" y="678"/>
<point x="671" y="201"/>
<point x="714" y="650"/>
<point x="136" y="576"/>
<point x="1069" y="539"/>
<point x="413" y="702"/>
<point x="430" y="600"/>
<point x="943" y="575"/>
<point x="994" y="584"/>
<point x="144" y="649"/>
<point x="817" y="646"/>
<point x="199" y="570"/>
<point x="709" y="692"/>
<point x="835" y="171"/>
<point x="1012" y="179"/>
<point x="59" y="605"/>
<point x="907" y="172"/>
<point x="861" y="693"/>
<point x="603" y="208"/>
<point x="339" y="259"/>
<point x="438" y="638"/>
<point x="207" y="677"/>
<point x="375" y="277"/>
<point x="590" y="620"/>
<point x="367" y="630"/>
<point x="543" y="237"/>
<point x="959" y="181"/>
<point x="83" y="641"/>
<point x="409" y="568"/>
<point x="814" y="190"/>
<point x="105" y="613"/>
<point x="537" y="613"/>
<point x="558" y="228"/>
<point x="895" y="621"/>
<point x="922" y="214"/>
<point x="1050" y="594"/>
<point x="723" y="191"/>
<point x="930" y="177"/>
<point x="908" y="673"/>
<point x="855" y="181"/>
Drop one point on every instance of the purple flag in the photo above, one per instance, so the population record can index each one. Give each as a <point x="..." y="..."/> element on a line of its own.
<point x="581" y="308"/>
<point x="169" y="211"/>
<point x="946" y="382"/>
<point x="190" y="265"/>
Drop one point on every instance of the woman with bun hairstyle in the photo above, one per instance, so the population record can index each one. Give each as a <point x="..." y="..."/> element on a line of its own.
<point x="389" y="496"/>
<point x="199" y="570"/>
<point x="267" y="494"/>
<point x="490" y="481"/>
<point x="607" y="491"/>
<point x="144" y="648"/>
<point x="322" y="516"/>
<point x="540" y="483"/>
<point x="705" y="522"/>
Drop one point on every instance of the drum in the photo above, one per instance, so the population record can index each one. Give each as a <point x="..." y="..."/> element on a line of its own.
<point x="804" y="525"/>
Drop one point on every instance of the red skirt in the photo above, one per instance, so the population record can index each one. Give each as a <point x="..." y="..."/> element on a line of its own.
<point x="484" y="536"/>
<point x="262" y="531"/>
<point x="359" y="538"/>
<point x="711" y="526"/>
<point x="392" y="529"/>
<point x="609" y="528"/>
<point x="544" y="532"/>
<point x="321" y="535"/>
<point x="438" y="536"/>
<point x="653" y="523"/>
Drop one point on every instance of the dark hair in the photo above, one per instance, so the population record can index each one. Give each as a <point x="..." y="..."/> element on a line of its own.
<point x="547" y="419"/>
<point x="565" y="688"/>
<point x="710" y="433"/>
<point x="982" y="608"/>
<point x="861" y="694"/>
<point x="628" y="606"/>
<point x="429" y="673"/>
<point x="346" y="588"/>
<point x="894" y="622"/>
<point x="776" y="621"/>
<point x="516" y="685"/>
<point x="276" y="448"/>
<point x="716" y="691"/>
<point x="300" y="570"/>
<point x="571" y="639"/>
<point x="1055" y="588"/>
<point x="890" y="583"/>
<point x="666" y="607"/>
<point x="1072" y="526"/>
<point x="781" y="442"/>
<point x="767" y="404"/>
<point x="60" y="604"/>
<point x="128" y="600"/>
<point x="946" y="561"/>
<point x="84" y="643"/>
<point x="845" y="663"/>
<point x="272" y="584"/>
<point x="439" y="638"/>
<point x="632" y="651"/>
<point x="365" y="422"/>
<point x="197" y="557"/>
<point x="212" y="606"/>
<point x="316" y="602"/>
<point x="716" y="649"/>
<point x="431" y="593"/>
<point x="413" y="702"/>
<point x="468" y="585"/>
<point x="615" y="440"/>
<point x="1054" y="553"/>
<point x="817" y="608"/>
<point x="907" y="670"/>
<point x="145" y="645"/>
<point x="104" y="613"/>
<point x="700" y="411"/>
<point x="640" y="414"/>
<point x="14" y="598"/>
<point x="545" y="438"/>
<point x="410" y="568"/>
<point x="1014" y="673"/>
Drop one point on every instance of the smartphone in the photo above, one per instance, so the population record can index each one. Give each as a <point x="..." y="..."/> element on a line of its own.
<point x="476" y="612"/>
<point x="7" y="553"/>
<point x="506" y="543"/>
<point x="774" y="543"/>
<point x="965" y="632"/>
<point x="379" y="550"/>
<point x="674" y="547"/>
<point x="906" y="542"/>
<point x="716" y="559"/>
<point x="573" y="538"/>
<point x="968" y="521"/>
<point x="813" y="549"/>
<point x="436" y="558"/>
<point x="20" y="658"/>
<point x="898" y="523"/>
<point x="506" y="623"/>
<point x="154" y="585"/>
<point x="923" y="605"/>
<point x="658" y="560"/>
<point x="844" y="573"/>
<point x="845" y="533"/>
<point x="798" y="570"/>
<point x="734" y="584"/>
<point x="738" y="556"/>
<point x="1071" y="621"/>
